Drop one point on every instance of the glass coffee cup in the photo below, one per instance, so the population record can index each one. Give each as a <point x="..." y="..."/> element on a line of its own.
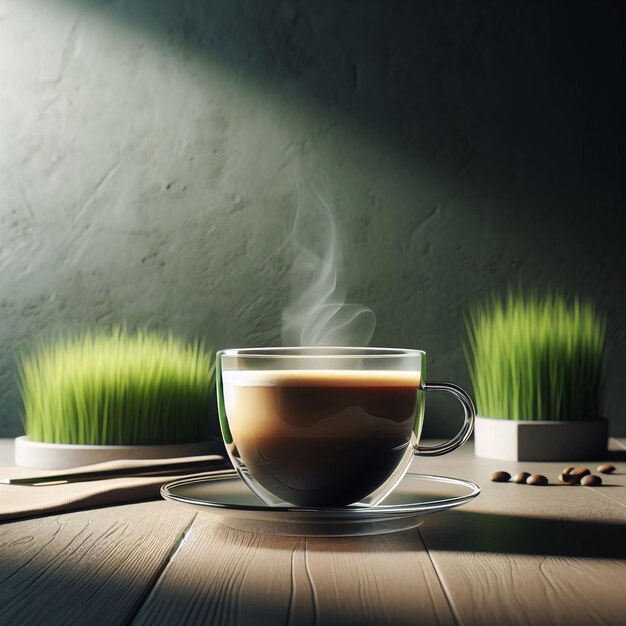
<point x="327" y="427"/>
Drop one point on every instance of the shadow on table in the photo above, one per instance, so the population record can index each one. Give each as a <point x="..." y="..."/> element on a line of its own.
<point x="616" y="456"/>
<point x="468" y="531"/>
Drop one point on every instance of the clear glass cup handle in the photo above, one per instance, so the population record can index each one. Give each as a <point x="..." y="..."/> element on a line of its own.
<point x="468" y="424"/>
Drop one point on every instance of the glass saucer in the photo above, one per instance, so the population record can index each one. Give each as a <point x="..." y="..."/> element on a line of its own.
<point x="226" y="495"/>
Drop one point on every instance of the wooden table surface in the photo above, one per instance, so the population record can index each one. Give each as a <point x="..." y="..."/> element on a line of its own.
<point x="515" y="555"/>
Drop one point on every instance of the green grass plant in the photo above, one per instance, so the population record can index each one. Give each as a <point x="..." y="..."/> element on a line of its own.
<point x="117" y="388"/>
<point x="536" y="358"/>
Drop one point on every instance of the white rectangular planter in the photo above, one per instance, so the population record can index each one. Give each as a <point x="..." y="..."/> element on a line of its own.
<point x="510" y="440"/>
<point x="56" y="456"/>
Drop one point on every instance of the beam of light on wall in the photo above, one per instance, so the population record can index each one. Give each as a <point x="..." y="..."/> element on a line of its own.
<point x="114" y="136"/>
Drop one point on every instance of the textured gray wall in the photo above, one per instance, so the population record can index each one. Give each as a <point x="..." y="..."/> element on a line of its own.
<point x="148" y="152"/>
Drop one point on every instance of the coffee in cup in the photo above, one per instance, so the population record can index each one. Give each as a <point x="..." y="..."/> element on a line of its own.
<point x="319" y="437"/>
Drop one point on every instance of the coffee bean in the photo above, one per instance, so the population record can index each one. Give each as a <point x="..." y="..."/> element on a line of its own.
<point x="579" y="472"/>
<point x="568" y="479"/>
<point x="568" y="470"/>
<point x="606" y="468"/>
<point x="537" y="480"/>
<point x="591" y="480"/>
<point x="500" y="477"/>
<point x="520" y="478"/>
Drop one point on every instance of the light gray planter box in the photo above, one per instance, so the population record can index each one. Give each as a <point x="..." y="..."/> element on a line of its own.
<point x="510" y="440"/>
<point x="53" y="456"/>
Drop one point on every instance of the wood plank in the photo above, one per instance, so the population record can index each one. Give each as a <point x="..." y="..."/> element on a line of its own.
<point x="530" y="555"/>
<point x="527" y="590"/>
<point x="93" y="566"/>
<point x="377" y="580"/>
<point x="224" y="576"/>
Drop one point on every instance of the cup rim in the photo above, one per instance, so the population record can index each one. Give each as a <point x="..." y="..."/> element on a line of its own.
<point x="332" y="352"/>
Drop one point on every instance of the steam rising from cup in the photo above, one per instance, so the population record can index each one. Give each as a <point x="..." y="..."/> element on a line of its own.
<point x="318" y="314"/>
